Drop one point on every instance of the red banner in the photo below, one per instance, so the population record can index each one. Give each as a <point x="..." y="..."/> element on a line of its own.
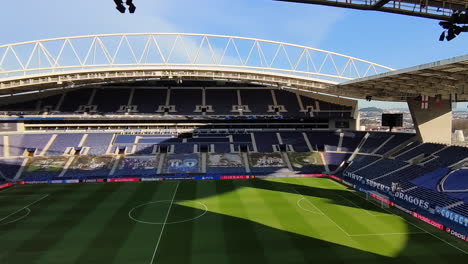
<point x="334" y="177"/>
<point x="6" y="185"/>
<point x="429" y="221"/>
<point x="124" y="180"/>
<point x="234" y="177"/>
<point x="386" y="201"/>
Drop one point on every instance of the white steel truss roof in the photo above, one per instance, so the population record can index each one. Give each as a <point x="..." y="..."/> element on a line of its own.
<point x="94" y="58"/>
<point x="447" y="77"/>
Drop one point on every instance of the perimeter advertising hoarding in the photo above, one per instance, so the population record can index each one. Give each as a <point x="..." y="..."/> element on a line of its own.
<point x="427" y="220"/>
<point x="452" y="216"/>
<point x="6" y="185"/>
<point x="456" y="234"/>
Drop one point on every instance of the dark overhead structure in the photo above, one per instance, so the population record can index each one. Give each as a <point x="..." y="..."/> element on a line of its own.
<point x="452" y="13"/>
<point x="120" y="6"/>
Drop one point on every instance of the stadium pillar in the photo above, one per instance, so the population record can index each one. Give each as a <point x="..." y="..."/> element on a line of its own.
<point x="432" y="119"/>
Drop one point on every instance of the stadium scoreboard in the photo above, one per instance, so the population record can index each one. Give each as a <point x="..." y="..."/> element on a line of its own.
<point x="392" y="120"/>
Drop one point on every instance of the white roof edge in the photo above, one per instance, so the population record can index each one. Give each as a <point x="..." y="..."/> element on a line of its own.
<point x="410" y="69"/>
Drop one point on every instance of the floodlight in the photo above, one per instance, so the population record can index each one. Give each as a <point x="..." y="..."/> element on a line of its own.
<point x="451" y="34"/>
<point x="120" y="6"/>
<point x="131" y="6"/>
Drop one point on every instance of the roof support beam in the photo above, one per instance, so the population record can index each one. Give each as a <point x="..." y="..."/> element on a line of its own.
<point x="379" y="4"/>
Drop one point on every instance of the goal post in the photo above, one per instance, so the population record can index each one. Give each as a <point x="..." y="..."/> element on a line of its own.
<point x="380" y="199"/>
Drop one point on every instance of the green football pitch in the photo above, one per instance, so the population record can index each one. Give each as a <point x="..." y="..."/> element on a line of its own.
<point x="288" y="220"/>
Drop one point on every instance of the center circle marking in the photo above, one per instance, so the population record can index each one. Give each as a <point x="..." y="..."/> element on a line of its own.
<point x="130" y="213"/>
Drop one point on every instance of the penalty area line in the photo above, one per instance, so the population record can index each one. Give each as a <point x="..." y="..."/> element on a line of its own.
<point x="164" y="224"/>
<point x="19" y="210"/>
<point x="331" y="220"/>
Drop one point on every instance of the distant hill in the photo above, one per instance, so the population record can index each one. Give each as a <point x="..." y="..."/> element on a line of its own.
<point x="371" y="109"/>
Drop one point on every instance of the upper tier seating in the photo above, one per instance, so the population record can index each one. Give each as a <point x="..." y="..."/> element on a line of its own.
<point x="222" y="100"/>
<point x="351" y="140"/>
<point x="359" y="161"/>
<point x="74" y="99"/>
<point x="148" y="100"/>
<point x="290" y="102"/>
<point x="265" y="140"/>
<point x="334" y="160"/>
<point x="257" y="100"/>
<point x="62" y="142"/>
<point x="185" y="100"/>
<point x="397" y="139"/>
<point x="324" y="139"/>
<point x="98" y="143"/>
<point x="373" y="141"/>
<point x="20" y="143"/>
<point x="296" y="140"/>
<point x="423" y="149"/>
<point x="380" y="168"/>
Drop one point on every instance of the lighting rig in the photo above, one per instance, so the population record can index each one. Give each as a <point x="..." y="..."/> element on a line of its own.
<point x="120" y="6"/>
<point x="454" y="26"/>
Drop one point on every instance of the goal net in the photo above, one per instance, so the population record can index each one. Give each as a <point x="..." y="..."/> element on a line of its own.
<point x="380" y="199"/>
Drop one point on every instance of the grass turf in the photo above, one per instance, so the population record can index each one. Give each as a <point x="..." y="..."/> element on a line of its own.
<point x="289" y="220"/>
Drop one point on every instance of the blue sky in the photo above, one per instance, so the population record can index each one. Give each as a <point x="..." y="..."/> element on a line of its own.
<point x="392" y="40"/>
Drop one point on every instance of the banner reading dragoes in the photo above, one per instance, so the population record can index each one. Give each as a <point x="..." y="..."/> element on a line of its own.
<point x="182" y="163"/>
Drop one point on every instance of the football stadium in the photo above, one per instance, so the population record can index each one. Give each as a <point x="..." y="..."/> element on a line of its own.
<point x="199" y="148"/>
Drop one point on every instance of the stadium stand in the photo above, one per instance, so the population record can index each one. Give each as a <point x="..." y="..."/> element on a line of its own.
<point x="182" y="105"/>
<point x="62" y="142"/>
<point x="34" y="143"/>
<point x="119" y="97"/>
<point x="148" y="100"/>
<point x="98" y="143"/>
<point x="206" y="129"/>
<point x="222" y="100"/>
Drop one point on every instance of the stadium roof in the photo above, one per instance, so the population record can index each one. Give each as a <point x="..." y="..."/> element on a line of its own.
<point x="73" y="62"/>
<point x="443" y="77"/>
<point x="435" y="9"/>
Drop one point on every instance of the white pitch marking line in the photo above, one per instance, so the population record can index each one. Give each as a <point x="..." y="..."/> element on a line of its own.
<point x="344" y="231"/>
<point x="320" y="212"/>
<point x="20" y="195"/>
<point x="16" y="220"/>
<point x="300" y="206"/>
<point x="164" y="224"/>
<point x="427" y="232"/>
<point x="6" y="189"/>
<point x="367" y="211"/>
<point x="356" y="235"/>
<point x="24" y="207"/>
<point x="386" y="234"/>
